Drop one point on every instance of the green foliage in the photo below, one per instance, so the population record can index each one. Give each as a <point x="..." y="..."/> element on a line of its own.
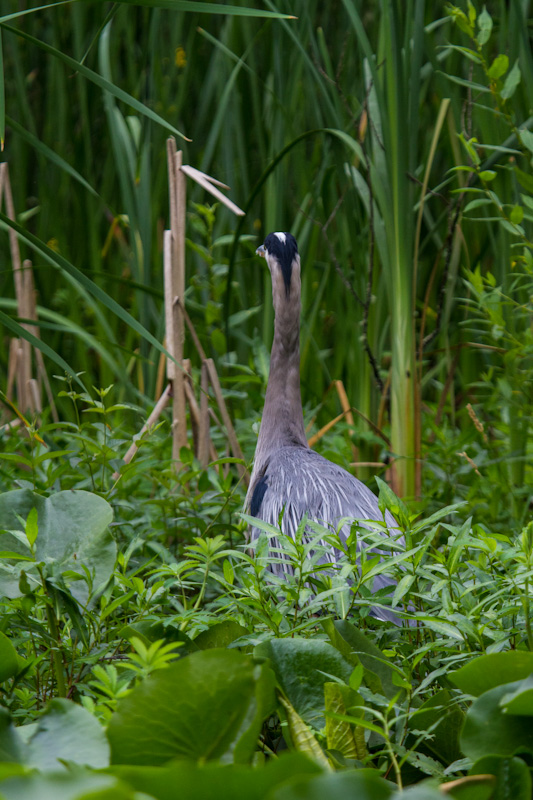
<point x="139" y="633"/>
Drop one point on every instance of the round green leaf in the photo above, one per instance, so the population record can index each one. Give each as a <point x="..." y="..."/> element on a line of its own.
<point x="302" y="666"/>
<point x="513" y="778"/>
<point x="220" y="635"/>
<point x="67" y="732"/>
<point x="517" y="214"/>
<point x="486" y="672"/>
<point x="82" y="785"/>
<point x="72" y="531"/>
<point x="520" y="701"/>
<point x="489" y="730"/>
<point x="209" y="705"/>
<point x="499" y="67"/>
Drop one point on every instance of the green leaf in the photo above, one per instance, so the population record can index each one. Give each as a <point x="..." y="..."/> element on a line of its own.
<point x="23" y="12"/>
<point x="476" y="87"/>
<point x="484" y="22"/>
<point x="67" y="732"/>
<point x="302" y="666"/>
<point x="208" y="8"/>
<point x="526" y="137"/>
<point x="220" y="635"/>
<point x="339" y="733"/>
<point x="460" y="19"/>
<point x="2" y="99"/>
<point x="363" y="784"/>
<point x="524" y="179"/>
<point x="520" y="702"/>
<point x="185" y="779"/>
<point x="499" y="67"/>
<point x="351" y="641"/>
<point x="9" y="663"/>
<point x="73" y="531"/>
<point x="388" y="500"/>
<point x="486" y="175"/>
<point x="403" y="587"/>
<point x="150" y="630"/>
<point x="300" y="735"/>
<point x="11" y="744"/>
<point x="81" y="784"/>
<point x="209" y="705"/>
<point x="513" y="778"/>
<point x="442" y="717"/>
<point x="517" y="214"/>
<point x="32" y="528"/>
<point x="511" y="82"/>
<point x="488" y="729"/>
<point x="513" y="229"/>
<point x="356" y="678"/>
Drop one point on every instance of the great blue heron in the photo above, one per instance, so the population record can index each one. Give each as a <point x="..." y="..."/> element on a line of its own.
<point x="289" y="480"/>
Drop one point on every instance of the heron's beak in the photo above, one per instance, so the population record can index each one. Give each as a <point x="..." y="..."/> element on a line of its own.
<point x="261" y="251"/>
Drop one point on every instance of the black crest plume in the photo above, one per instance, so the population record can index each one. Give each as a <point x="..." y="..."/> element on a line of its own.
<point x="284" y="251"/>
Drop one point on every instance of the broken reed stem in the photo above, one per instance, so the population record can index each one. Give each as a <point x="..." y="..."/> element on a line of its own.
<point x="203" y="436"/>
<point x="174" y="289"/>
<point x="345" y="405"/>
<point x="232" y="437"/>
<point x="179" y="293"/>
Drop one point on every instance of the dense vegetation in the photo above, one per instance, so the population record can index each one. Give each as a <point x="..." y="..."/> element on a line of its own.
<point x="144" y="651"/>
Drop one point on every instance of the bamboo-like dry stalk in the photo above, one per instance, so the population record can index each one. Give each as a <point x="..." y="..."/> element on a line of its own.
<point x="203" y="426"/>
<point x="194" y="411"/>
<point x="178" y="405"/>
<point x="206" y="182"/>
<point x="346" y="407"/>
<point x="174" y="289"/>
<point x="232" y="437"/>
<point x="167" y="277"/>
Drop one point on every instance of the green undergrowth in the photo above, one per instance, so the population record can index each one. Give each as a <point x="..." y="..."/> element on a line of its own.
<point x="146" y="649"/>
<point x="144" y="646"/>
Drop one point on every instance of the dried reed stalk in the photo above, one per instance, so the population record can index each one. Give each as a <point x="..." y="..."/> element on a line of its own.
<point x="232" y="437"/>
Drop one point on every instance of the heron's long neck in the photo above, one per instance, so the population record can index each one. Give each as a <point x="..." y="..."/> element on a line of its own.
<point x="282" y="422"/>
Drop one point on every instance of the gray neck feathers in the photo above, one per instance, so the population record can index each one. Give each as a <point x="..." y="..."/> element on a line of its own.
<point x="282" y="423"/>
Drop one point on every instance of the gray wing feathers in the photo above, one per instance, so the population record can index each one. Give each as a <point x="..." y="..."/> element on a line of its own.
<point x="300" y="481"/>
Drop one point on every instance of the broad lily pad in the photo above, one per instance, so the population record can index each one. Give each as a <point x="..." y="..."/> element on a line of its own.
<point x="489" y="730"/>
<point x="302" y="666"/>
<point x="63" y="732"/>
<point x="210" y="705"/>
<point x="215" y="781"/>
<point x="488" y="671"/>
<point x="72" y="533"/>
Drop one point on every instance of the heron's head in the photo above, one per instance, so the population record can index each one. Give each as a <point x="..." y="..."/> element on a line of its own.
<point x="281" y="253"/>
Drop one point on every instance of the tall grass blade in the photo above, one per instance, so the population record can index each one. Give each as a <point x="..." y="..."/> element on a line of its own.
<point x="98" y="80"/>
<point x="208" y="8"/>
